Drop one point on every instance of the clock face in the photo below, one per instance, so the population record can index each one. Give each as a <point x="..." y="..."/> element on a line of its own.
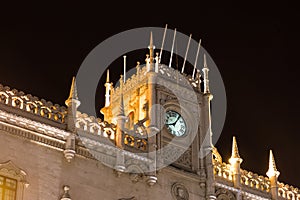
<point x="175" y="123"/>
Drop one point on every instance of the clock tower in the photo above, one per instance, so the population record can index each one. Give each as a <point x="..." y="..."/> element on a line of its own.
<point x="166" y="117"/>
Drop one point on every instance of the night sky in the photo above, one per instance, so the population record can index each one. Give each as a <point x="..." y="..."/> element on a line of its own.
<point x="255" y="47"/>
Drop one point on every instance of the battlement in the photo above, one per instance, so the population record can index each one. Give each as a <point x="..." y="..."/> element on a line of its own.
<point x="17" y="102"/>
<point x="251" y="181"/>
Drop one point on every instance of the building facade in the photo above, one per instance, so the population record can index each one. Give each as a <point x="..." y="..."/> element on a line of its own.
<point x="153" y="143"/>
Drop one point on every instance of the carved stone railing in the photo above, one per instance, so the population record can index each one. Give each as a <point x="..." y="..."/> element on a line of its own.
<point x="131" y="82"/>
<point x="288" y="192"/>
<point x="32" y="104"/>
<point x="96" y="126"/>
<point x="136" y="142"/>
<point x="249" y="179"/>
<point x="255" y="181"/>
<point x="222" y="170"/>
<point x="173" y="74"/>
<point x="163" y="70"/>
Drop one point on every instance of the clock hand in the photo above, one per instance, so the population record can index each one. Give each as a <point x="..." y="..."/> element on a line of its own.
<point x="173" y="124"/>
<point x="177" y="119"/>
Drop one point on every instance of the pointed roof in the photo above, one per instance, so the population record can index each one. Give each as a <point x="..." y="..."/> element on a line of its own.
<point x="272" y="171"/>
<point x="73" y="90"/>
<point x="235" y="152"/>
<point x="73" y="93"/>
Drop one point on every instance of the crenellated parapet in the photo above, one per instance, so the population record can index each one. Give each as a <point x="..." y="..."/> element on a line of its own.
<point x="252" y="181"/>
<point x="13" y="98"/>
<point x="133" y="139"/>
<point x="255" y="181"/>
<point x="286" y="191"/>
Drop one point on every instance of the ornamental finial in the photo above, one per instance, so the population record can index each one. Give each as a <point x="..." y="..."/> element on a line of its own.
<point x="272" y="171"/>
<point x="73" y="97"/>
<point x="235" y="152"/>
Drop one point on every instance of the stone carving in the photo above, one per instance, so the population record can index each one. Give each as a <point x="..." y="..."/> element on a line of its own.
<point x="179" y="192"/>
<point x="171" y="153"/>
<point x="223" y="194"/>
<point x="185" y="159"/>
<point x="32" y="104"/>
<point x="288" y="192"/>
<point x="66" y="195"/>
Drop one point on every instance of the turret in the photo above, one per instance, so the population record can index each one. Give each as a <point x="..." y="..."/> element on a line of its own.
<point x="72" y="103"/>
<point x="207" y="141"/>
<point x="106" y="110"/>
<point x="121" y="118"/>
<point x="235" y="162"/>
<point x="273" y="174"/>
<point x="152" y="121"/>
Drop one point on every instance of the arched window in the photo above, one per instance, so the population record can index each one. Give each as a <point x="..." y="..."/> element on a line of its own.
<point x="12" y="181"/>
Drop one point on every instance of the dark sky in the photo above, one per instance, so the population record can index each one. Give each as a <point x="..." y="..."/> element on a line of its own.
<point x="255" y="47"/>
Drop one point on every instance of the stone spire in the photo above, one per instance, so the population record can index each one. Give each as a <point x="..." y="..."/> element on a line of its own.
<point x="73" y="97"/>
<point x="273" y="174"/>
<point x="106" y="110"/>
<point x="107" y="90"/>
<point x="235" y="150"/>
<point x="205" y="76"/>
<point x="235" y="162"/>
<point x="272" y="171"/>
<point x="72" y="103"/>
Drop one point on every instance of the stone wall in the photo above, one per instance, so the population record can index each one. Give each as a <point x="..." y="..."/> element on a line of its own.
<point x="47" y="171"/>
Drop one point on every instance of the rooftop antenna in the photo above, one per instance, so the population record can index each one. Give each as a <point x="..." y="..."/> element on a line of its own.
<point x="124" y="68"/>
<point x="172" y="48"/>
<point x="187" y="50"/>
<point x="163" y="42"/>
<point x="195" y="65"/>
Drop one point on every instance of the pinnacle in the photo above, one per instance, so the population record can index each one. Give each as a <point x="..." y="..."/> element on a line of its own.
<point x="272" y="171"/>
<point x="235" y="150"/>
<point x="73" y="93"/>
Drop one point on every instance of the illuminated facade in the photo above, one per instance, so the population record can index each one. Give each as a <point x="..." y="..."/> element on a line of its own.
<point x="138" y="151"/>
